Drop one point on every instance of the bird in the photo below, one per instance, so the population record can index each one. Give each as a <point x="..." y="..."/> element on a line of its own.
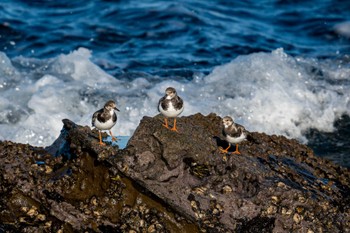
<point x="170" y="105"/>
<point x="105" y="119"/>
<point x="234" y="133"/>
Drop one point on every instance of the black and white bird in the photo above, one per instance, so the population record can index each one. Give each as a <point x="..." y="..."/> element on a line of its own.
<point x="234" y="133"/>
<point x="105" y="119"/>
<point x="170" y="105"/>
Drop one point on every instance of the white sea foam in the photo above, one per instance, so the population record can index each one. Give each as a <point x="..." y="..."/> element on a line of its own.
<point x="267" y="92"/>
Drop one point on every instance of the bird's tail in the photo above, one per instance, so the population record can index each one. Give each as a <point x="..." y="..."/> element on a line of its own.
<point x="251" y="138"/>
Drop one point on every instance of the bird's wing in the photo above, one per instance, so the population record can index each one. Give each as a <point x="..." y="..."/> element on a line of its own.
<point x="233" y="132"/>
<point x="160" y="102"/>
<point x="94" y="116"/>
<point x="241" y="129"/>
<point x="224" y="132"/>
<point x="178" y="103"/>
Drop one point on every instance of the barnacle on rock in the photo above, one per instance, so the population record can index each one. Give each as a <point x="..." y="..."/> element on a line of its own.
<point x="275" y="185"/>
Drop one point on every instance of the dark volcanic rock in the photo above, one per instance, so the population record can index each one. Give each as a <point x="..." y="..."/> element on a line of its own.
<point x="77" y="191"/>
<point x="170" y="182"/>
<point x="275" y="185"/>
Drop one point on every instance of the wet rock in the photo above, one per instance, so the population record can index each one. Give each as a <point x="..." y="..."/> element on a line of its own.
<point x="276" y="184"/>
<point x="165" y="181"/>
<point x="72" y="187"/>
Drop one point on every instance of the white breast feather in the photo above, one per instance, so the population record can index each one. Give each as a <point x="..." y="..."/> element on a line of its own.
<point x="106" y="125"/>
<point x="171" y="111"/>
<point x="236" y="140"/>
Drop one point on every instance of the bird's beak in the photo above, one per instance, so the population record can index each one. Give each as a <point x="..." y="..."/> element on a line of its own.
<point x="116" y="109"/>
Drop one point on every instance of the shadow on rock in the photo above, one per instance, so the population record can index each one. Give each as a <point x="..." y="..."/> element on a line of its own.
<point x="276" y="184"/>
<point x="165" y="181"/>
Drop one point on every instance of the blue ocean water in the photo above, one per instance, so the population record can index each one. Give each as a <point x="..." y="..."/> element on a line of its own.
<point x="280" y="67"/>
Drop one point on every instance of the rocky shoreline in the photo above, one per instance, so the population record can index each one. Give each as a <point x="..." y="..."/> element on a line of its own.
<point x="165" y="181"/>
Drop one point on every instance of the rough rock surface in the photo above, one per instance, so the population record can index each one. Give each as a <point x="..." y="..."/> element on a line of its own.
<point x="170" y="182"/>
<point x="275" y="185"/>
<point x="71" y="187"/>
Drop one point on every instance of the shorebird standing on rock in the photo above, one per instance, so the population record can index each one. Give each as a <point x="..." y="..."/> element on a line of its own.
<point x="170" y="105"/>
<point x="105" y="119"/>
<point x="234" y="133"/>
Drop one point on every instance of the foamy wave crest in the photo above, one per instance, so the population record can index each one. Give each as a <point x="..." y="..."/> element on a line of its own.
<point x="277" y="94"/>
<point x="267" y="92"/>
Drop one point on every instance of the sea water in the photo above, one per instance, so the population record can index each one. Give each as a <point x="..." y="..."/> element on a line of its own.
<point x="276" y="67"/>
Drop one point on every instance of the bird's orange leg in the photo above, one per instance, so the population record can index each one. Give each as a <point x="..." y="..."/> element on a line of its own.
<point x="166" y="123"/>
<point x="113" y="138"/>
<point x="224" y="151"/>
<point x="174" y="127"/>
<point x="236" y="151"/>
<point x="100" y="136"/>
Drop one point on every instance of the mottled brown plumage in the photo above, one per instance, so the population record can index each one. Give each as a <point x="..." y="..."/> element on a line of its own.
<point x="105" y="119"/>
<point x="234" y="133"/>
<point x="170" y="105"/>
